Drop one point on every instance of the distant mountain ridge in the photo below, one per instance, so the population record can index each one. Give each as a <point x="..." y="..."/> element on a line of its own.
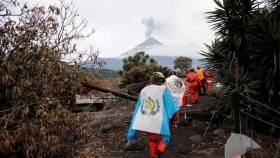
<point x="117" y="63"/>
<point x="147" y="46"/>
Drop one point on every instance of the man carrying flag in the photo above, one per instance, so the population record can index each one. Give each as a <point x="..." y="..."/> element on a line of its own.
<point x="154" y="108"/>
<point x="178" y="91"/>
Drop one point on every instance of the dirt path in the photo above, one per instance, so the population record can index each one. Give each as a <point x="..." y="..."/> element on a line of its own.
<point x="186" y="141"/>
<point x="181" y="146"/>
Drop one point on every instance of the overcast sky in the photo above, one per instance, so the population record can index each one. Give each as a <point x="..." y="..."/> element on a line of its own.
<point x="122" y="24"/>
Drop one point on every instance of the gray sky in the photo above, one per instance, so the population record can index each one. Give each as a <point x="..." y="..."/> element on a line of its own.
<point x="122" y="24"/>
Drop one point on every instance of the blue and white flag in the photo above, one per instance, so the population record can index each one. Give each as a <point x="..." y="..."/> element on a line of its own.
<point x="176" y="87"/>
<point x="154" y="108"/>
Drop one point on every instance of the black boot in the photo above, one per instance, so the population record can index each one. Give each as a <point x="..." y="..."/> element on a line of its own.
<point x="158" y="154"/>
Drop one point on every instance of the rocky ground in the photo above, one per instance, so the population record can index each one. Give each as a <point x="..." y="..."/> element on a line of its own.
<point x="195" y="137"/>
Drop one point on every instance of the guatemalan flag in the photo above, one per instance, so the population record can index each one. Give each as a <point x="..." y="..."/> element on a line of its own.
<point x="177" y="89"/>
<point x="154" y="108"/>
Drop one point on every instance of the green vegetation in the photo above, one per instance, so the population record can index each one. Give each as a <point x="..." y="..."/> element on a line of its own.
<point x="182" y="63"/>
<point x="245" y="58"/>
<point x="245" y="54"/>
<point x="137" y="71"/>
<point x="100" y="73"/>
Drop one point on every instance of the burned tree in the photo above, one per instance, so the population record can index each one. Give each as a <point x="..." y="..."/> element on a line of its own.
<point x="35" y="86"/>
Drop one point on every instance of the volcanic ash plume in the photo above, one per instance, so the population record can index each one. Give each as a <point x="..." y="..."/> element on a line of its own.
<point x="150" y="25"/>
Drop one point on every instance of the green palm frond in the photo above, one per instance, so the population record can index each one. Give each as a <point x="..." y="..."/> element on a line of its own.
<point x="267" y="43"/>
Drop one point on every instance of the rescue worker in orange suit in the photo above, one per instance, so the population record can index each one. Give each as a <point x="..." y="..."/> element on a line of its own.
<point x="178" y="90"/>
<point x="194" y="82"/>
<point x="153" y="110"/>
<point x="200" y="73"/>
<point x="209" y="75"/>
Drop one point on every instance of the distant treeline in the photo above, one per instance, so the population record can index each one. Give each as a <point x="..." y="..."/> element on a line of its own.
<point x="100" y="73"/>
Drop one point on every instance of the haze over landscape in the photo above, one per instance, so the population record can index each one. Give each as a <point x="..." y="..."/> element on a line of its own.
<point x="121" y="25"/>
<point x="150" y="46"/>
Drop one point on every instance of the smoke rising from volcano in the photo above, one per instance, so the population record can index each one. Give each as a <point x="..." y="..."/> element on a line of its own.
<point x="150" y="25"/>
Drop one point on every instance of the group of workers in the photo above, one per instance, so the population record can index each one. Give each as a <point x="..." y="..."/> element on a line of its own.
<point x="157" y="110"/>
<point x="199" y="81"/>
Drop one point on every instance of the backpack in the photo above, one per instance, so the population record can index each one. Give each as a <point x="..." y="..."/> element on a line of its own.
<point x="193" y="79"/>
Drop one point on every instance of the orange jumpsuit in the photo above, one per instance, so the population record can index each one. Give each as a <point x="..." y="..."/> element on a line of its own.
<point x="193" y="86"/>
<point x="155" y="143"/>
<point x="185" y="99"/>
<point x="176" y="116"/>
<point x="209" y="75"/>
